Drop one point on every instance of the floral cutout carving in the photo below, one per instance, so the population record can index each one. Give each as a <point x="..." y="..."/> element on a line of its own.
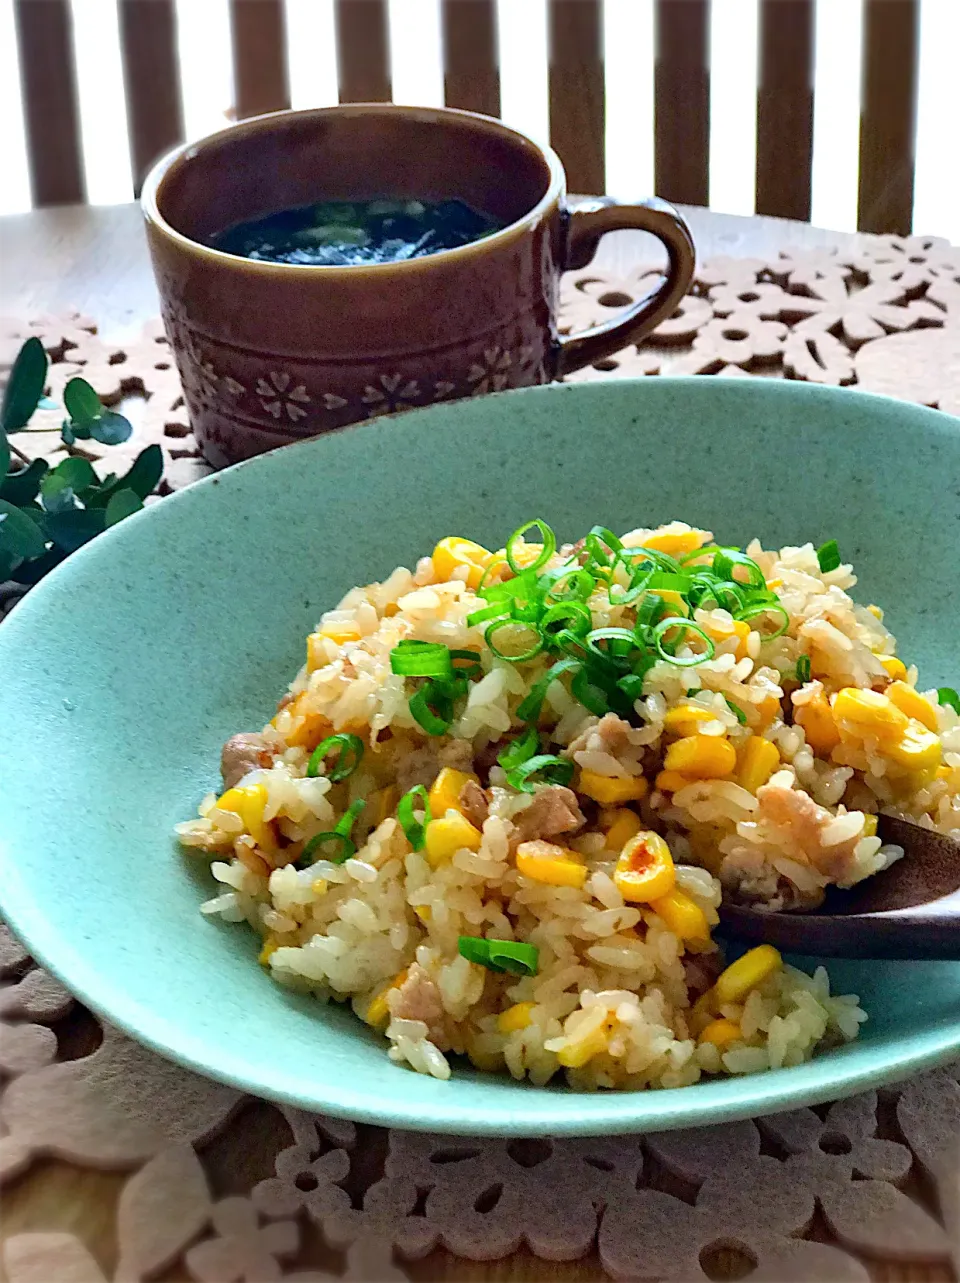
<point x="278" y="398"/>
<point x="392" y="392"/>
<point x="492" y="373"/>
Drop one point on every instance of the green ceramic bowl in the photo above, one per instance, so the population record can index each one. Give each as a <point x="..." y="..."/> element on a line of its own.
<point x="125" y="670"/>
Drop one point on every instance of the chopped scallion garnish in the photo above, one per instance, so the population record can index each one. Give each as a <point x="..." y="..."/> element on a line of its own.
<point x="413" y="828"/>
<point x="803" y="669"/>
<point x="828" y="556"/>
<point x="520" y="750"/>
<point x="737" y="711"/>
<point x="349" y="752"/>
<point x="432" y="708"/>
<point x="684" y="626"/>
<point x="947" y="695"/>
<point x="500" y="955"/>
<point x="544" y="768"/>
<point x="516" y="541"/>
<point x="531" y="642"/>
<point x="529" y="708"/>
<point x="421" y="659"/>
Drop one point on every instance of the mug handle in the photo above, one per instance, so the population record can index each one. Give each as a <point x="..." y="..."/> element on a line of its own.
<point x="588" y="222"/>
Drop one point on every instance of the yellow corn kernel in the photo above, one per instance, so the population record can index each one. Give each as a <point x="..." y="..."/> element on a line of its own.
<point x="338" y="633"/>
<point x="515" y="1017"/>
<point x="624" y="825"/>
<point x="645" y="869"/>
<point x="445" y="790"/>
<point x="686" y="719"/>
<point x="447" y="835"/>
<point x="384" y="803"/>
<point x="671" y="781"/>
<point x="742" y="629"/>
<point x="758" y="761"/>
<point x="673" y="541"/>
<point x="682" y="915"/>
<point x="523" y="553"/>
<point x="676" y="603"/>
<point x="869" y="826"/>
<point x="270" y="947"/>
<point x="869" y="712"/>
<point x="702" y="757"/>
<point x="747" y="973"/>
<point x="917" y="751"/>
<point x="576" y="1057"/>
<point x="768" y="708"/>
<point x="423" y="912"/>
<point x="895" y="667"/>
<point x="721" y="1033"/>
<point x="489" y="1062"/>
<point x="876" y="612"/>
<point x="944" y="772"/>
<point x="452" y="552"/>
<point x="911" y="702"/>
<point x="816" y="718"/>
<point x="610" y="789"/>
<point x="774" y="584"/>
<point x="378" y="1013"/>
<point x="318" y="886"/>
<point x="554" y="865"/>
<point x="249" y="802"/>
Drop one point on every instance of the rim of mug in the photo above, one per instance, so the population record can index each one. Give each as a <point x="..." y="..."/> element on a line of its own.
<point x="151" y="192"/>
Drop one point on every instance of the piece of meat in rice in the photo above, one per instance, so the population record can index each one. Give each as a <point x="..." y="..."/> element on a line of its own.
<point x="418" y="998"/>
<point x="808" y="827"/>
<point x="474" y="804"/>
<point x="242" y="754"/>
<point x="553" y="811"/>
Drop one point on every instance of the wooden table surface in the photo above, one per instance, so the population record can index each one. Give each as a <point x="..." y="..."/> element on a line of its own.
<point x="95" y="259"/>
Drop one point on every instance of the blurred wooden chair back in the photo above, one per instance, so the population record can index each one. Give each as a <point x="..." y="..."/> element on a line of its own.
<point x="471" y="80"/>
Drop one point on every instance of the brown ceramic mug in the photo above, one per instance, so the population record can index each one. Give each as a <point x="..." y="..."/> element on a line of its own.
<point x="273" y="352"/>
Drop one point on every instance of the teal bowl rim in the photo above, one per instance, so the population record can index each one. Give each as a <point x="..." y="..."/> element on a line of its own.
<point x="596" y="1113"/>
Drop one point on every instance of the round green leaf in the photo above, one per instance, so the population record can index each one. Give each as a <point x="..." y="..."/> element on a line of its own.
<point x="71" y="530"/>
<point x="81" y="402"/>
<point x="122" y="504"/>
<point x="25" y="387"/>
<point x="19" y="535"/>
<point x="23" y="486"/>
<point x="110" y="428"/>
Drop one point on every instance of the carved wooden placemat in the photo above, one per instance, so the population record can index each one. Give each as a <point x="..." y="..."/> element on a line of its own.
<point x="118" y="1165"/>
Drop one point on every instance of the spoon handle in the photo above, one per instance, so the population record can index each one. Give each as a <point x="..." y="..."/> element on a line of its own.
<point x="917" y="933"/>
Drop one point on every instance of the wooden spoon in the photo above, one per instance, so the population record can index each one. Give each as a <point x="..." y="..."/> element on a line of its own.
<point x="909" y="911"/>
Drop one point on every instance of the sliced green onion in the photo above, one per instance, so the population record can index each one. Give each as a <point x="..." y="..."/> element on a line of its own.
<point x="344" y="826"/>
<point x="566" y="614"/>
<point x="347" y="849"/>
<point x="948" y="696"/>
<point x="803" y="669"/>
<point x="662" y="560"/>
<point x="414" y="830"/>
<point x="525" y="582"/>
<point x="432" y="708"/>
<point x="602" y="546"/>
<point x="421" y="659"/>
<point x="765" y="608"/>
<point x="528" y="710"/>
<point x="549" y="541"/>
<point x="350" y="751"/>
<point x="500" y="955"/>
<point x="737" y="711"/>
<point x="621" y="640"/>
<point x="686" y="626"/>
<point x="542" y="769"/>
<point x="466" y="663"/>
<point x="520" y="750"/>
<point x="581" y="584"/>
<point x="647" y="612"/>
<point x="494" y="611"/>
<point x="828" y="556"/>
<point x="533" y="649"/>
<point x="592" y="696"/>
<point x="632" y="686"/>
<point x="726" y="559"/>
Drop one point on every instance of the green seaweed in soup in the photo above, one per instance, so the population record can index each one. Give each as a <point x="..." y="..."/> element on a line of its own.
<point x="342" y="234"/>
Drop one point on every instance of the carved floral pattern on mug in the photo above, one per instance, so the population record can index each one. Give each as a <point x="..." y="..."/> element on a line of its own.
<point x="275" y="398"/>
<point x="395" y="392"/>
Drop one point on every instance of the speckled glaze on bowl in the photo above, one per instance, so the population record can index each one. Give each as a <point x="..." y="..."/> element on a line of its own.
<point x="129" y="665"/>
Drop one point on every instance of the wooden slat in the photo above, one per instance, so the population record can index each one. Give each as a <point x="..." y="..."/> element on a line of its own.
<point x="151" y="81"/>
<point x="51" y="116"/>
<point x="259" y="56"/>
<point x="471" y="78"/>
<point x="363" y="51"/>
<point x="576" y="92"/>
<point x="681" y="101"/>
<point x="888" y="115"/>
<point x="785" y="108"/>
